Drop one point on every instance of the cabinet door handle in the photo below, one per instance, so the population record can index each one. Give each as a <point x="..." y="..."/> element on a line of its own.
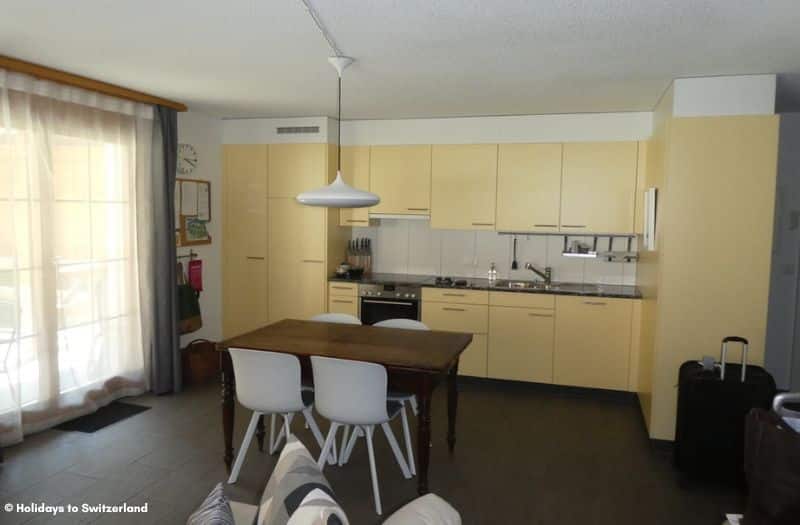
<point x="448" y="309"/>
<point x="595" y="303"/>
<point x="453" y="294"/>
<point x="540" y="315"/>
<point x="341" y="288"/>
<point x="573" y="226"/>
<point x="341" y="301"/>
<point x="254" y="258"/>
<point x="311" y="261"/>
<point x="545" y="225"/>
<point x="356" y="220"/>
<point x="483" y="224"/>
<point x="417" y="209"/>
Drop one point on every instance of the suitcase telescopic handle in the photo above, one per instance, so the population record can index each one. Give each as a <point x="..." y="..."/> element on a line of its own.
<point x="782" y="399"/>
<point x="724" y="356"/>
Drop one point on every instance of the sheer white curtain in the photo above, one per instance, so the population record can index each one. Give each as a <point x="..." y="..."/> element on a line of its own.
<point x="72" y="333"/>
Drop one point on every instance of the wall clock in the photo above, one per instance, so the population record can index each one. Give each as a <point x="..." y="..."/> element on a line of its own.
<point x="187" y="159"/>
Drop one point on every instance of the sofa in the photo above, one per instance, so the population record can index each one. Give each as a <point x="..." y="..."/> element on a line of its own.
<point x="297" y="493"/>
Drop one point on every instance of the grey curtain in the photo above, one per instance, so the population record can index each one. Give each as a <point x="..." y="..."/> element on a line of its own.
<point x="165" y="358"/>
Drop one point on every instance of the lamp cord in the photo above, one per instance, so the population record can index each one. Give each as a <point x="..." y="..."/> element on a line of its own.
<point x="339" y="132"/>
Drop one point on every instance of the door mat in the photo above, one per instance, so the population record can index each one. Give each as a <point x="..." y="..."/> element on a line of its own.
<point x="105" y="416"/>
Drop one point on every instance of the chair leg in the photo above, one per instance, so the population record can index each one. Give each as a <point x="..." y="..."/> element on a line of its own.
<point x="248" y="437"/>
<point x="413" y="403"/>
<point x="329" y="442"/>
<point x="373" y="471"/>
<point x="275" y="439"/>
<point x="311" y="424"/>
<point x="396" y="449"/>
<point x="409" y="448"/>
<point x="345" y="436"/>
<point x="351" y="444"/>
<point x="273" y="447"/>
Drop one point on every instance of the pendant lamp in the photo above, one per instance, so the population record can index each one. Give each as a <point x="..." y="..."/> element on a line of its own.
<point x="338" y="194"/>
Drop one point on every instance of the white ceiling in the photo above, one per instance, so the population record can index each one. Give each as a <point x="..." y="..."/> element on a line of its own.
<point x="416" y="58"/>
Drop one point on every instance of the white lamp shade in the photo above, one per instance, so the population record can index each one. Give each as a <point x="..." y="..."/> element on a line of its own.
<point x="338" y="195"/>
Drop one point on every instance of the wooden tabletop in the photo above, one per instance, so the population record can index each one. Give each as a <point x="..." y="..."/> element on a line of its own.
<point x="423" y="350"/>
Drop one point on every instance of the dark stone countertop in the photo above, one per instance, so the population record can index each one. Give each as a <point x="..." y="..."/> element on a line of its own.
<point x="557" y="288"/>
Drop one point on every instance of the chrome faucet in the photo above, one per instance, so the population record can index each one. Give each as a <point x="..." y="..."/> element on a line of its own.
<point x="547" y="274"/>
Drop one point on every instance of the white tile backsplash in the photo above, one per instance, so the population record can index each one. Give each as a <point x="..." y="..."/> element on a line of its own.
<point x="412" y="246"/>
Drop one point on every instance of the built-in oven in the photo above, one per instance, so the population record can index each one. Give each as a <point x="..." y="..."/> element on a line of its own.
<point x="380" y="302"/>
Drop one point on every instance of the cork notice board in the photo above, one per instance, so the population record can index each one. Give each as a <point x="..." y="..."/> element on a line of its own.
<point x="192" y="212"/>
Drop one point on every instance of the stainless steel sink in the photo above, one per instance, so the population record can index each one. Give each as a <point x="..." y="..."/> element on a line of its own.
<point x="526" y="285"/>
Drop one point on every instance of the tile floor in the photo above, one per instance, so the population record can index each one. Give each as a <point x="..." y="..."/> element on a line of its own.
<point x="525" y="454"/>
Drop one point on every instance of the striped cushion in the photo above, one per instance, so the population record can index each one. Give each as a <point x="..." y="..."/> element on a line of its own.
<point x="215" y="510"/>
<point x="298" y="487"/>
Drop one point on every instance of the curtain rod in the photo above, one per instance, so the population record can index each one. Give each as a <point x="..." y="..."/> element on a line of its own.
<point x="105" y="88"/>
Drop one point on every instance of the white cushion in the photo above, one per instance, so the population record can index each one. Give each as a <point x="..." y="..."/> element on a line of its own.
<point x="429" y="509"/>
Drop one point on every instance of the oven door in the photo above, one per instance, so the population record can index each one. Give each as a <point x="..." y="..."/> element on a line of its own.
<point x="374" y="310"/>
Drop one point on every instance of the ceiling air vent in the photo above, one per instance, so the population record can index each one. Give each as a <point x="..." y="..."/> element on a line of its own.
<point x="293" y="130"/>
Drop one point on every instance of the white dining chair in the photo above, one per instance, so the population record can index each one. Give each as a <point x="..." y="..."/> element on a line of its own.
<point x="339" y="319"/>
<point x="402" y="397"/>
<point x="336" y="318"/>
<point x="269" y="383"/>
<point x="354" y="393"/>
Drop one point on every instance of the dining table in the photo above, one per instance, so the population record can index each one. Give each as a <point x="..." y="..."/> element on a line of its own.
<point x="416" y="362"/>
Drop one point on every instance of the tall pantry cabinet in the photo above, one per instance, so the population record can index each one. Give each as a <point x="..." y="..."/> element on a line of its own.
<point x="299" y="245"/>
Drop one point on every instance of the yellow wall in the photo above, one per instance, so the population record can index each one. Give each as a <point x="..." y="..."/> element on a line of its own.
<point x="710" y="277"/>
<point x="647" y="267"/>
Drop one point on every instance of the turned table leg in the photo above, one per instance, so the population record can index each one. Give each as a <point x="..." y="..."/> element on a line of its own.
<point x="228" y="393"/>
<point x="452" y="406"/>
<point x="260" y="433"/>
<point x="423" y="434"/>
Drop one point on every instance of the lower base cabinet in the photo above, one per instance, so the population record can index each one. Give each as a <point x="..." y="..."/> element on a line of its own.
<point x="343" y="305"/>
<point x="460" y="317"/>
<point x="473" y="359"/>
<point x="521" y="344"/>
<point x="593" y="342"/>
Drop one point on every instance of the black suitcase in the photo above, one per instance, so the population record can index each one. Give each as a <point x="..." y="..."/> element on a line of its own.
<point x="712" y="407"/>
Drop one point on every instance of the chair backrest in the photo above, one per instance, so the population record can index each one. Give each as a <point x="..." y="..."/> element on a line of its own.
<point x="351" y="392"/>
<point x="336" y="318"/>
<point x="405" y="324"/>
<point x="267" y="382"/>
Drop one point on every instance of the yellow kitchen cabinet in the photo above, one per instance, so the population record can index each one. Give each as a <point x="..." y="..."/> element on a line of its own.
<point x="343" y="298"/>
<point x="245" y="199"/>
<point x="343" y="305"/>
<point x="355" y="172"/>
<point x="473" y="359"/>
<point x="297" y="260"/>
<point x="528" y="187"/>
<point x="592" y="342"/>
<point x="521" y="344"/>
<point x="464" y="186"/>
<point x="295" y="168"/>
<point x="467" y="318"/>
<point x="598" y="187"/>
<point x="244" y="239"/>
<point x="245" y="294"/>
<point x="401" y="176"/>
<point x="455" y="295"/>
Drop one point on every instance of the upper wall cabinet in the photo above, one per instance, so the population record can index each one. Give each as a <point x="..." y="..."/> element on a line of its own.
<point x="464" y="186"/>
<point x="528" y="187"/>
<point x="295" y="168"/>
<point x="401" y="177"/>
<point x="598" y="187"/>
<point x="355" y="172"/>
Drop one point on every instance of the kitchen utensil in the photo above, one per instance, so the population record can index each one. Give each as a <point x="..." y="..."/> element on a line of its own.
<point x="514" y="264"/>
